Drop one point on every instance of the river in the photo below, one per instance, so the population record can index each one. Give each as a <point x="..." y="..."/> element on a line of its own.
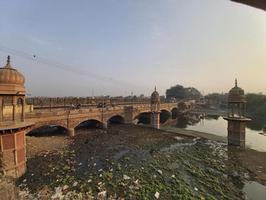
<point x="255" y="137"/>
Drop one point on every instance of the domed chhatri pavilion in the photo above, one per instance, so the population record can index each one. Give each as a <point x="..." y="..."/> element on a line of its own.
<point x="155" y="109"/>
<point x="11" y="81"/>
<point x="236" y="116"/>
<point x="12" y="121"/>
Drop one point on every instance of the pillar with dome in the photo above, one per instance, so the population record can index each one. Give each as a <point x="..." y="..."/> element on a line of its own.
<point x="155" y="109"/>
<point x="236" y="117"/>
<point x="12" y="121"/>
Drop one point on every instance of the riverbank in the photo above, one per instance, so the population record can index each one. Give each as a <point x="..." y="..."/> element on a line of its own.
<point x="132" y="162"/>
<point x="251" y="159"/>
<point x="192" y="133"/>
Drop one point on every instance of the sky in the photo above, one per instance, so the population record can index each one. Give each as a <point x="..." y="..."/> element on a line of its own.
<point x="123" y="47"/>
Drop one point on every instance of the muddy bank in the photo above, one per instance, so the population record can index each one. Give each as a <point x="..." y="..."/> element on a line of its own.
<point x="192" y="133"/>
<point x="251" y="159"/>
<point x="131" y="162"/>
<point x="46" y="144"/>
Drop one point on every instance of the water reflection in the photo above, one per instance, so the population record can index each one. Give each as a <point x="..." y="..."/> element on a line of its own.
<point x="253" y="162"/>
<point x="254" y="190"/>
<point x="212" y="117"/>
<point x="216" y="125"/>
<point x="182" y="122"/>
<point x="257" y="124"/>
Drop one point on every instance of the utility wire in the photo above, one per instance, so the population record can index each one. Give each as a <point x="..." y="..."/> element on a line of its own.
<point x="62" y="66"/>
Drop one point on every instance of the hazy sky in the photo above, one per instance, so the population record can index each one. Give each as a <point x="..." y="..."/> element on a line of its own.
<point x="115" y="47"/>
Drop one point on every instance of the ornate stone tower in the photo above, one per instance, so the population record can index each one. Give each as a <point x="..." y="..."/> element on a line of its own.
<point x="12" y="122"/>
<point x="155" y="109"/>
<point x="236" y="117"/>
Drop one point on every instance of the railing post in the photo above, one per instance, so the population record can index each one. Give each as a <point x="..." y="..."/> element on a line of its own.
<point x="50" y="104"/>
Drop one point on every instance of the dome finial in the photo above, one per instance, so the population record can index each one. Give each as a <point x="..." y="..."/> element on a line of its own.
<point x="8" y="62"/>
<point x="236" y="82"/>
<point x="155" y="88"/>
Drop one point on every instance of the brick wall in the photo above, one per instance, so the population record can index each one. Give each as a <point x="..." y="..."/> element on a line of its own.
<point x="13" y="153"/>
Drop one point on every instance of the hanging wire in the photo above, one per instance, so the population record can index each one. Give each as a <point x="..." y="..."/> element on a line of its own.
<point x="62" y="66"/>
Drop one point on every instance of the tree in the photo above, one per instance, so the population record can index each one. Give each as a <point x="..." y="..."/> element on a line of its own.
<point x="177" y="92"/>
<point x="192" y="93"/>
<point x="180" y="92"/>
<point x="256" y="105"/>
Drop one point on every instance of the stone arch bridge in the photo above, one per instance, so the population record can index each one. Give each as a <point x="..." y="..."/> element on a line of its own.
<point x="69" y="119"/>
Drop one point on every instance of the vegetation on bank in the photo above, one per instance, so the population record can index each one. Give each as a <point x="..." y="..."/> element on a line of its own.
<point x="256" y="105"/>
<point x="255" y="108"/>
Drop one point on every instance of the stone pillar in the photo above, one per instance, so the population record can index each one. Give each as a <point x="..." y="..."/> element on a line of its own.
<point x="31" y="108"/>
<point x="13" y="152"/>
<point x="14" y="104"/>
<point x="104" y="125"/>
<point x="23" y="111"/>
<point x="237" y="132"/>
<point x="171" y="115"/>
<point x="14" y="112"/>
<point x="155" y="120"/>
<point x="1" y="108"/>
<point x="71" y="132"/>
<point x="128" y="114"/>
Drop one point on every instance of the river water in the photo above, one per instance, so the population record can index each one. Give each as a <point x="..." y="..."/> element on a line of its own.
<point x="255" y="191"/>
<point x="255" y="137"/>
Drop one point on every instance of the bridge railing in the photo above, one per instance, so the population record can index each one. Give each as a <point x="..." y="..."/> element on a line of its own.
<point x="62" y="112"/>
<point x="50" y="113"/>
<point x="70" y="106"/>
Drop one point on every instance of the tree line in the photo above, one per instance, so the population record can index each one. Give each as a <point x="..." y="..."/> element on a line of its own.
<point x="256" y="105"/>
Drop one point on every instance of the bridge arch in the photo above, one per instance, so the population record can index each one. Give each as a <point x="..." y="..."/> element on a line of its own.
<point x="164" y="115"/>
<point x="50" y="123"/>
<point x="47" y="130"/>
<point x="143" y="118"/>
<point x="116" y="119"/>
<point x="89" y="123"/>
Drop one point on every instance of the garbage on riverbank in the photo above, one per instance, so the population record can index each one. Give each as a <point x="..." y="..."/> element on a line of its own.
<point x="130" y="162"/>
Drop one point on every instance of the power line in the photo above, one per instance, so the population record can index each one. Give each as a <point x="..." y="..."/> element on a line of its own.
<point x="62" y="66"/>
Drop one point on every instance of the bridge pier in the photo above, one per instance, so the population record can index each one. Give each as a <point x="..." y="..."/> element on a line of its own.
<point x="155" y="109"/>
<point x="104" y="126"/>
<point x="71" y="132"/>
<point x="128" y="114"/>
<point x="155" y="120"/>
<point x="236" y="132"/>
